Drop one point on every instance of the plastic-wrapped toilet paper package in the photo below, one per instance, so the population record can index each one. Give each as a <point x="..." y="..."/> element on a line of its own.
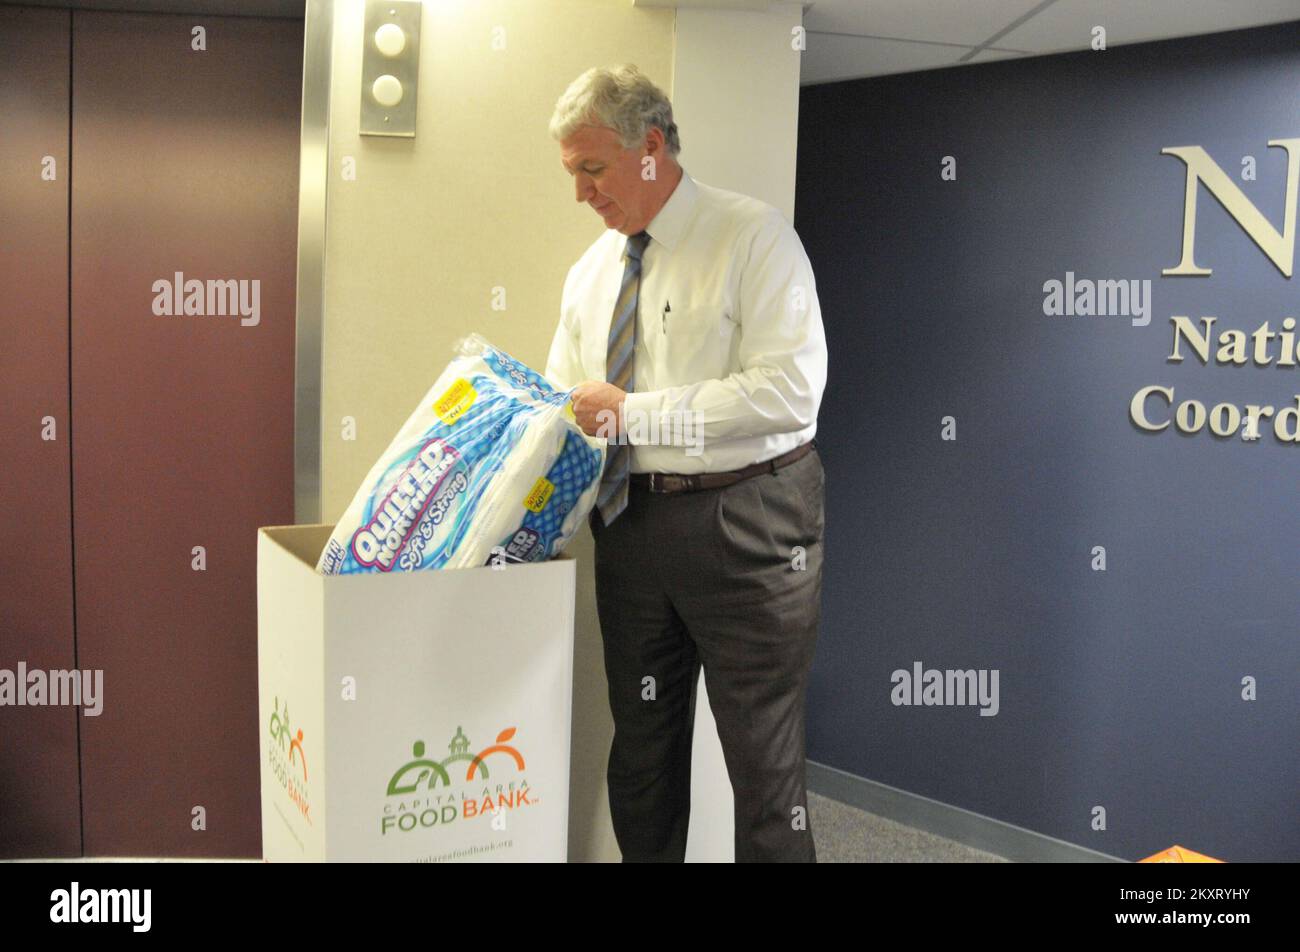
<point x="490" y="468"/>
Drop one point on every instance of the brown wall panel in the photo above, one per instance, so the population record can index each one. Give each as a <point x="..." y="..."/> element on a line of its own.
<point x="39" y="787"/>
<point x="185" y="161"/>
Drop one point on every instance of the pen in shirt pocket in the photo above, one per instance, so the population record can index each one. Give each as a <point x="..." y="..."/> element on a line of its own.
<point x="664" y="314"/>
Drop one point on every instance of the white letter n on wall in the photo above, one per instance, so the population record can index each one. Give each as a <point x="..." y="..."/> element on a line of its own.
<point x="1280" y="248"/>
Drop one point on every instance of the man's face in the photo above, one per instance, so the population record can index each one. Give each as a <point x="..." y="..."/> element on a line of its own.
<point x="607" y="177"/>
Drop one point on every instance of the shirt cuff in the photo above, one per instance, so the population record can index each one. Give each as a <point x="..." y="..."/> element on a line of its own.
<point x="641" y="417"/>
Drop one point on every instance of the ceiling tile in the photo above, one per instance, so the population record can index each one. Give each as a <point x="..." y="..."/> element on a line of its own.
<point x="968" y="22"/>
<point x="1067" y="24"/>
<point x="831" y="58"/>
<point x="987" y="56"/>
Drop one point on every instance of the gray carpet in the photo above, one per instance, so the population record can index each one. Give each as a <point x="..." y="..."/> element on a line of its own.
<point x="845" y="834"/>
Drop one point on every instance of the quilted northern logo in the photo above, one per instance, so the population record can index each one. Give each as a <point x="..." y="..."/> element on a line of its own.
<point x="288" y="760"/>
<point x="425" y="793"/>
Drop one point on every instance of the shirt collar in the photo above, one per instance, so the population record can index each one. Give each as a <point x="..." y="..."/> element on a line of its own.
<point x="667" y="226"/>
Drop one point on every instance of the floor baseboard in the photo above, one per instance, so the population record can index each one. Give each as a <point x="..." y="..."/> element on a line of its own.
<point x="963" y="826"/>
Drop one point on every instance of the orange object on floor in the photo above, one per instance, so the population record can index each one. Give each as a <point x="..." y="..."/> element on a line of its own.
<point x="1179" y="854"/>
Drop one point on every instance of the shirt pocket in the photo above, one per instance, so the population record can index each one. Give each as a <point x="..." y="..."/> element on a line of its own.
<point x="698" y="341"/>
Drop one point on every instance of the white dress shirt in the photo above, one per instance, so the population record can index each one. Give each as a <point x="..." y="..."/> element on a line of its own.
<point x="729" y="333"/>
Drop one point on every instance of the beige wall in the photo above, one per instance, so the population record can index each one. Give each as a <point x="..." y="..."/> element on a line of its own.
<point x="416" y="244"/>
<point x="476" y="200"/>
<point x="736" y="104"/>
<point x="736" y="99"/>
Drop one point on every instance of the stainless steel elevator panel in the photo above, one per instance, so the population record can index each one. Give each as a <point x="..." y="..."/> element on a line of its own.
<point x="39" y="787"/>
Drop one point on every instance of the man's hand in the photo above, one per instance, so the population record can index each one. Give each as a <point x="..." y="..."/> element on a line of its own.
<point x="598" y="408"/>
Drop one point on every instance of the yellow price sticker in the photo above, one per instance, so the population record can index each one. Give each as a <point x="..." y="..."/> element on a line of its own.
<point x="451" y="406"/>
<point x="539" y="495"/>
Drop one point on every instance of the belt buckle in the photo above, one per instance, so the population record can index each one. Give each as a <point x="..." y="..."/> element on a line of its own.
<point x="665" y="482"/>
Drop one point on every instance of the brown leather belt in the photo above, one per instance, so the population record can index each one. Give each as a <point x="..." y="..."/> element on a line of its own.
<point x="689" y="482"/>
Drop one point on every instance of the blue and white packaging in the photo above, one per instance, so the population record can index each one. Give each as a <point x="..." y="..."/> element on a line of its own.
<point x="491" y="468"/>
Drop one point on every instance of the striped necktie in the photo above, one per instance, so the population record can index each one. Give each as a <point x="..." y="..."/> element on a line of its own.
<point x="612" y="498"/>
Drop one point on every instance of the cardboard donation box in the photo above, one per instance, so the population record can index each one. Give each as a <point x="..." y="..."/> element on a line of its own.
<point x="412" y="716"/>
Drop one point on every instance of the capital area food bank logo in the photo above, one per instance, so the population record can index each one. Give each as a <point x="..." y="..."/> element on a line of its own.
<point x="426" y="793"/>
<point x="287" y="758"/>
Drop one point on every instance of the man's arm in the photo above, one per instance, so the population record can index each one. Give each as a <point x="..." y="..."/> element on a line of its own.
<point x="564" y="364"/>
<point x="782" y="355"/>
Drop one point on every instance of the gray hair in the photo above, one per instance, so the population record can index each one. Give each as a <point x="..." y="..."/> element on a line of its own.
<point x="620" y="98"/>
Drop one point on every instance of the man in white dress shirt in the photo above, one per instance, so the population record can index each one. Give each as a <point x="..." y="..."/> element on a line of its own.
<point x="691" y="334"/>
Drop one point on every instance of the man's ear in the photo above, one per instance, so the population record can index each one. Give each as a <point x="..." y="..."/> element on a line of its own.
<point x="654" y="141"/>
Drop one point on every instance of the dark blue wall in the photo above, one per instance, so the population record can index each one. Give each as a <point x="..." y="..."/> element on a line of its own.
<point x="1119" y="688"/>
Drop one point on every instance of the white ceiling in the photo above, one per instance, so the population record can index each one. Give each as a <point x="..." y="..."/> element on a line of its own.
<point x="849" y="39"/>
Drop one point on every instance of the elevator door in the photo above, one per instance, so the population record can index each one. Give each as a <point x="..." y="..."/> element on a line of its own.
<point x="180" y="274"/>
<point x="185" y="168"/>
<point x="40" y="793"/>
